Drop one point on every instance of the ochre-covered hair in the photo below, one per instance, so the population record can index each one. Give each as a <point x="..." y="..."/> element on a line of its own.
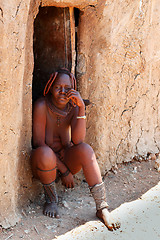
<point x="54" y="76"/>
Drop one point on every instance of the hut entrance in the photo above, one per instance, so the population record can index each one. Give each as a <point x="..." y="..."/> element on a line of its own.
<point x="53" y="44"/>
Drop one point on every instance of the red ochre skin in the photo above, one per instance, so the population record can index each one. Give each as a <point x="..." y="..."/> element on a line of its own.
<point x="52" y="140"/>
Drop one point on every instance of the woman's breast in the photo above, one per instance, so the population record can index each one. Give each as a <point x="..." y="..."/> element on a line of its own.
<point x="57" y="137"/>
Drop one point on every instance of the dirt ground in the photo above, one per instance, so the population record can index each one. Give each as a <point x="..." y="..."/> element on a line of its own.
<point x="125" y="183"/>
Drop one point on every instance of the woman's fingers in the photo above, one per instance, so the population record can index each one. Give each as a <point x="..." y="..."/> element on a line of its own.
<point x="72" y="92"/>
<point x="68" y="181"/>
<point x="75" y="97"/>
<point x="72" y="185"/>
<point x="72" y="95"/>
<point x="69" y="185"/>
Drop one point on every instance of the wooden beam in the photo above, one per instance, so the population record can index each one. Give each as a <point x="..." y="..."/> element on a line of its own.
<point x="72" y="26"/>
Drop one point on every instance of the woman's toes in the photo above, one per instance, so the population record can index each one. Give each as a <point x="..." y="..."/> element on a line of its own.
<point x="108" y="221"/>
<point x="110" y="227"/>
<point x="50" y="214"/>
<point x="117" y="225"/>
<point x="45" y="213"/>
<point x="57" y="215"/>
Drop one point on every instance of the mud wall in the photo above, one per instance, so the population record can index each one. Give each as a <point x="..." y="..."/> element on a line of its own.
<point x="118" y="70"/>
<point x="16" y="107"/>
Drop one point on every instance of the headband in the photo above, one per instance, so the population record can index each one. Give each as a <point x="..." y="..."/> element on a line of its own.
<point x="53" y="77"/>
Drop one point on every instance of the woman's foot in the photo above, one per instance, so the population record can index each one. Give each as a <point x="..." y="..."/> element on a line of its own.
<point x="104" y="216"/>
<point x="51" y="210"/>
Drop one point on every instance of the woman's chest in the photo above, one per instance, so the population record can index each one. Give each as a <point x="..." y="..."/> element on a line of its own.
<point x="57" y="128"/>
<point x="55" y="123"/>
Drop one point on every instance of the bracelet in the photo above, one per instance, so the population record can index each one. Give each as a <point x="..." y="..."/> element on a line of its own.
<point x="65" y="174"/>
<point x="81" y="117"/>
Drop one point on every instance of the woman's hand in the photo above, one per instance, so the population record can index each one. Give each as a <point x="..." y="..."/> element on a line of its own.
<point x="75" y="97"/>
<point x="68" y="181"/>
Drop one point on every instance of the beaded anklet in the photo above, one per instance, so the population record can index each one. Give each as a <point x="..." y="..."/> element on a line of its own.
<point x="65" y="174"/>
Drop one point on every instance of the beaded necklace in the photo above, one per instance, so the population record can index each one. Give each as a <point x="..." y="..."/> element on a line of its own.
<point x="59" y="113"/>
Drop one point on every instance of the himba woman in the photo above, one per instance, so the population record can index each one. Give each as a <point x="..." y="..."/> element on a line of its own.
<point x="59" y="128"/>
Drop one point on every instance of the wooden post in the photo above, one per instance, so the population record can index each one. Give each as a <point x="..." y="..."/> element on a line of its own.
<point x="72" y="26"/>
<point x="65" y="40"/>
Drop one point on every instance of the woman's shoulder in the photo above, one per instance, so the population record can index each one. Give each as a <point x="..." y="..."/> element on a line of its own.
<point x="40" y="104"/>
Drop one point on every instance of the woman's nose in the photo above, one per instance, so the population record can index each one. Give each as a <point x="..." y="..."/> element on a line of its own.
<point x="62" y="90"/>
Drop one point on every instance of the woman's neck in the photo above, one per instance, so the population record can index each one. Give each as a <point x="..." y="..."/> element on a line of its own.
<point x="62" y="107"/>
<point x="59" y="111"/>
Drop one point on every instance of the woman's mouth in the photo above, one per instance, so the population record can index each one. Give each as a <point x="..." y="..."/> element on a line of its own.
<point x="63" y="98"/>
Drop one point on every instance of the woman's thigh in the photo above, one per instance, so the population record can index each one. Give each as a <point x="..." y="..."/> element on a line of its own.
<point x="78" y="155"/>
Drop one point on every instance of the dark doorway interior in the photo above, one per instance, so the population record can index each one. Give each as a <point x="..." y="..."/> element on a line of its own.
<point x="51" y="45"/>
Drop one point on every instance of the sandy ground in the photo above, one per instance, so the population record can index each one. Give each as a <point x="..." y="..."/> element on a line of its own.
<point x="127" y="183"/>
<point x="139" y="220"/>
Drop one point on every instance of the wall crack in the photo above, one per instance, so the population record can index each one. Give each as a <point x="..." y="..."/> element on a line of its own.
<point x="18" y="7"/>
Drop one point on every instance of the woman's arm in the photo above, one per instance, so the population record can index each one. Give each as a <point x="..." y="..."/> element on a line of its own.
<point x="39" y="123"/>
<point x="78" y="125"/>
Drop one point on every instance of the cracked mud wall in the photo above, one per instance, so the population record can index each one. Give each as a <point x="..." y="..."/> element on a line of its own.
<point x="118" y="70"/>
<point x="16" y="108"/>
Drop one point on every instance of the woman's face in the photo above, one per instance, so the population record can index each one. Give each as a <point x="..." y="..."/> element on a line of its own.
<point x="59" y="89"/>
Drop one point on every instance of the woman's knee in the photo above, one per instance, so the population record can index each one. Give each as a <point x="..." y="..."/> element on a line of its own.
<point x="86" y="151"/>
<point x="45" y="157"/>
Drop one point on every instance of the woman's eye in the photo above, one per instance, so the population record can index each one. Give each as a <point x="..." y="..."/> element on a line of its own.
<point x="67" y="89"/>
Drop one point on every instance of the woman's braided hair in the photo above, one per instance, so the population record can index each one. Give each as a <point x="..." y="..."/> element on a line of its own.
<point x="54" y="76"/>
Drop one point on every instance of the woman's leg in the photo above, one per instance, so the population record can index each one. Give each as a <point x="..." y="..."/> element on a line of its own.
<point x="43" y="162"/>
<point x="82" y="156"/>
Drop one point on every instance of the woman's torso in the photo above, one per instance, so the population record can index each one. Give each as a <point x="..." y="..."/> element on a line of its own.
<point x="58" y="129"/>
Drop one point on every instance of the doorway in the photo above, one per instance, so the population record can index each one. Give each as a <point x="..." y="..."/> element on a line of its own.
<point x="54" y="44"/>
